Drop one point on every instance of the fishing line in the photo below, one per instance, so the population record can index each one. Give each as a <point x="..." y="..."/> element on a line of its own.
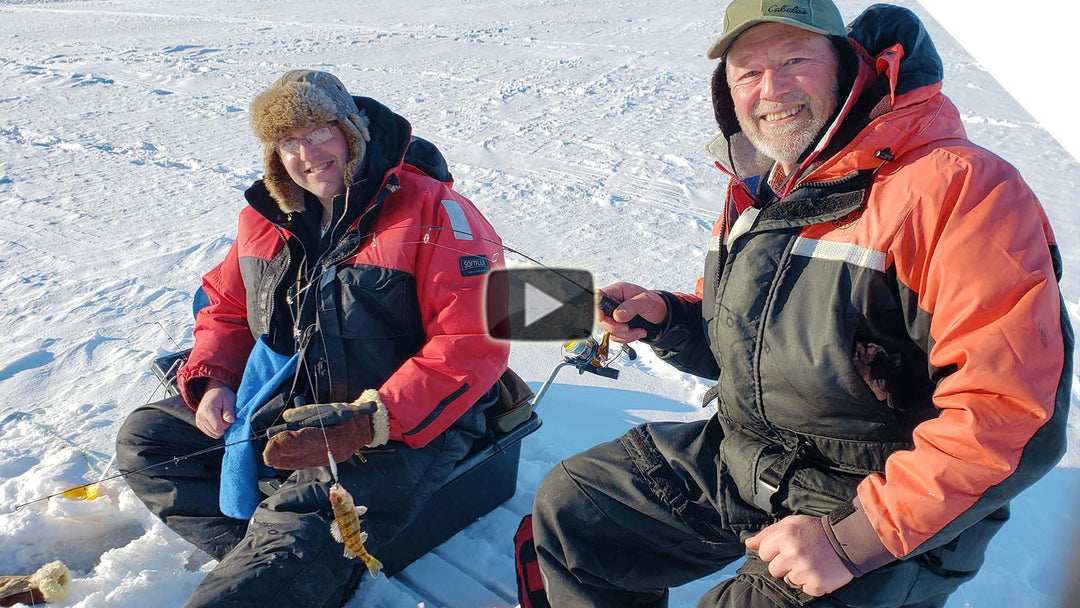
<point x="173" y="460"/>
<point x="167" y="334"/>
<point x="465" y="235"/>
<point x="86" y="453"/>
<point x="303" y="343"/>
<point x="461" y="234"/>
<point x="605" y="303"/>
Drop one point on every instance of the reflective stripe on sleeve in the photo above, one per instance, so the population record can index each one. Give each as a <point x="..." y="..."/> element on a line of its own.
<point x="460" y="225"/>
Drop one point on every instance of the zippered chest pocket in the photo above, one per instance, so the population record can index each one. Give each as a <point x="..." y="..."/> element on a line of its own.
<point x="377" y="303"/>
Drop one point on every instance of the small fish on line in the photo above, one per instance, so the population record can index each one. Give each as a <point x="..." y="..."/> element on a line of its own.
<point x="346" y="528"/>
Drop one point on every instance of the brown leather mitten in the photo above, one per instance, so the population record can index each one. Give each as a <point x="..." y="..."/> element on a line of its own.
<point x="364" y="423"/>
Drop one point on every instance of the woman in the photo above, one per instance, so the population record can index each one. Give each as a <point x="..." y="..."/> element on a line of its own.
<point x="347" y="286"/>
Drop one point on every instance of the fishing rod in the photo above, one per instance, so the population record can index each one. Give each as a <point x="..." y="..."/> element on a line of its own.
<point x="466" y="235"/>
<point x="583" y="352"/>
<point x="89" y="491"/>
<point x="74" y="491"/>
<point x="605" y="303"/>
<point x="580" y="350"/>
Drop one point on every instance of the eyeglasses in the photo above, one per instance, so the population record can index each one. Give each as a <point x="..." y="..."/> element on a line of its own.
<point x="291" y="145"/>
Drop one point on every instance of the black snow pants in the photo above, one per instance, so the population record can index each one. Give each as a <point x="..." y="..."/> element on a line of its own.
<point x="621" y="523"/>
<point x="284" y="556"/>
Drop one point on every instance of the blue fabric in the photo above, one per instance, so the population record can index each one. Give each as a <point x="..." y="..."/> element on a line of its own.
<point x="752" y="183"/>
<point x="265" y="372"/>
<point x="199" y="302"/>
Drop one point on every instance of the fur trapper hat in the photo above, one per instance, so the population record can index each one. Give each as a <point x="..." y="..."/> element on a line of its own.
<point x="303" y="99"/>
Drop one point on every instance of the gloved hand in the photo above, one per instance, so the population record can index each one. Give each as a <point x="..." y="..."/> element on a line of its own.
<point x="364" y="423"/>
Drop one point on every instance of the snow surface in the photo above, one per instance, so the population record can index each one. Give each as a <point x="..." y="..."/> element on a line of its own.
<point x="578" y="128"/>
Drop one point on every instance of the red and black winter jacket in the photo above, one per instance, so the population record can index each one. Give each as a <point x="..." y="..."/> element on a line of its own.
<point x="391" y="297"/>
<point x="886" y="328"/>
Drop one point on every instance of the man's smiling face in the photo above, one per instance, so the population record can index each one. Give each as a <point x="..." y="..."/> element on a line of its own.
<point x="784" y="84"/>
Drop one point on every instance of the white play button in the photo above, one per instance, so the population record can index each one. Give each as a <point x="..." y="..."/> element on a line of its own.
<point x="538" y="304"/>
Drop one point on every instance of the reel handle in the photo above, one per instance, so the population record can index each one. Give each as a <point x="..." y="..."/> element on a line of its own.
<point x="652" y="330"/>
<point x="606" y="372"/>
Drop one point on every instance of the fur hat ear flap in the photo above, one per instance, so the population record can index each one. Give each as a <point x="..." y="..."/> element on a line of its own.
<point x="357" y="135"/>
<point x="284" y="191"/>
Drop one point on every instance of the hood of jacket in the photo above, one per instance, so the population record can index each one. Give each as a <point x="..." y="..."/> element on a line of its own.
<point x="895" y="104"/>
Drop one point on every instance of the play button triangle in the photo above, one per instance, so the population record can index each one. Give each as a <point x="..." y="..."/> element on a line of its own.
<point x="538" y="304"/>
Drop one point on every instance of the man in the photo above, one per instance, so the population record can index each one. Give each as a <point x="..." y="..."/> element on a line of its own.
<point x="881" y="313"/>
<point x="345" y="289"/>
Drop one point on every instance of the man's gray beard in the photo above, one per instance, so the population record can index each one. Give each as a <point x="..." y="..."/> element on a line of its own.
<point x="784" y="146"/>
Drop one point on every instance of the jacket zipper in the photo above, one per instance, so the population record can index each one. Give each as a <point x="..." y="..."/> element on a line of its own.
<point x="345" y="253"/>
<point x="277" y="280"/>
<point x="828" y="183"/>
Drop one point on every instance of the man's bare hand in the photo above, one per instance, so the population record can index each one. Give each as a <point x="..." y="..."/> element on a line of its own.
<point x="217" y="409"/>
<point x="634" y="301"/>
<point x="798" y="551"/>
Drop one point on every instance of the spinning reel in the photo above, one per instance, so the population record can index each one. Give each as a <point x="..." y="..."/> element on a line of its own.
<point x="587" y="354"/>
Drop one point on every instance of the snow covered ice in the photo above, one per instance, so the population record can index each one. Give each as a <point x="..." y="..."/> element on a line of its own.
<point x="577" y="128"/>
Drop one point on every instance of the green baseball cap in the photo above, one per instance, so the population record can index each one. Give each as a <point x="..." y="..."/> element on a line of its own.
<point x="818" y="16"/>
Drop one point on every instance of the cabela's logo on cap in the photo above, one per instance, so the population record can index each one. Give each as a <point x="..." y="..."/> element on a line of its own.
<point x="793" y="9"/>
